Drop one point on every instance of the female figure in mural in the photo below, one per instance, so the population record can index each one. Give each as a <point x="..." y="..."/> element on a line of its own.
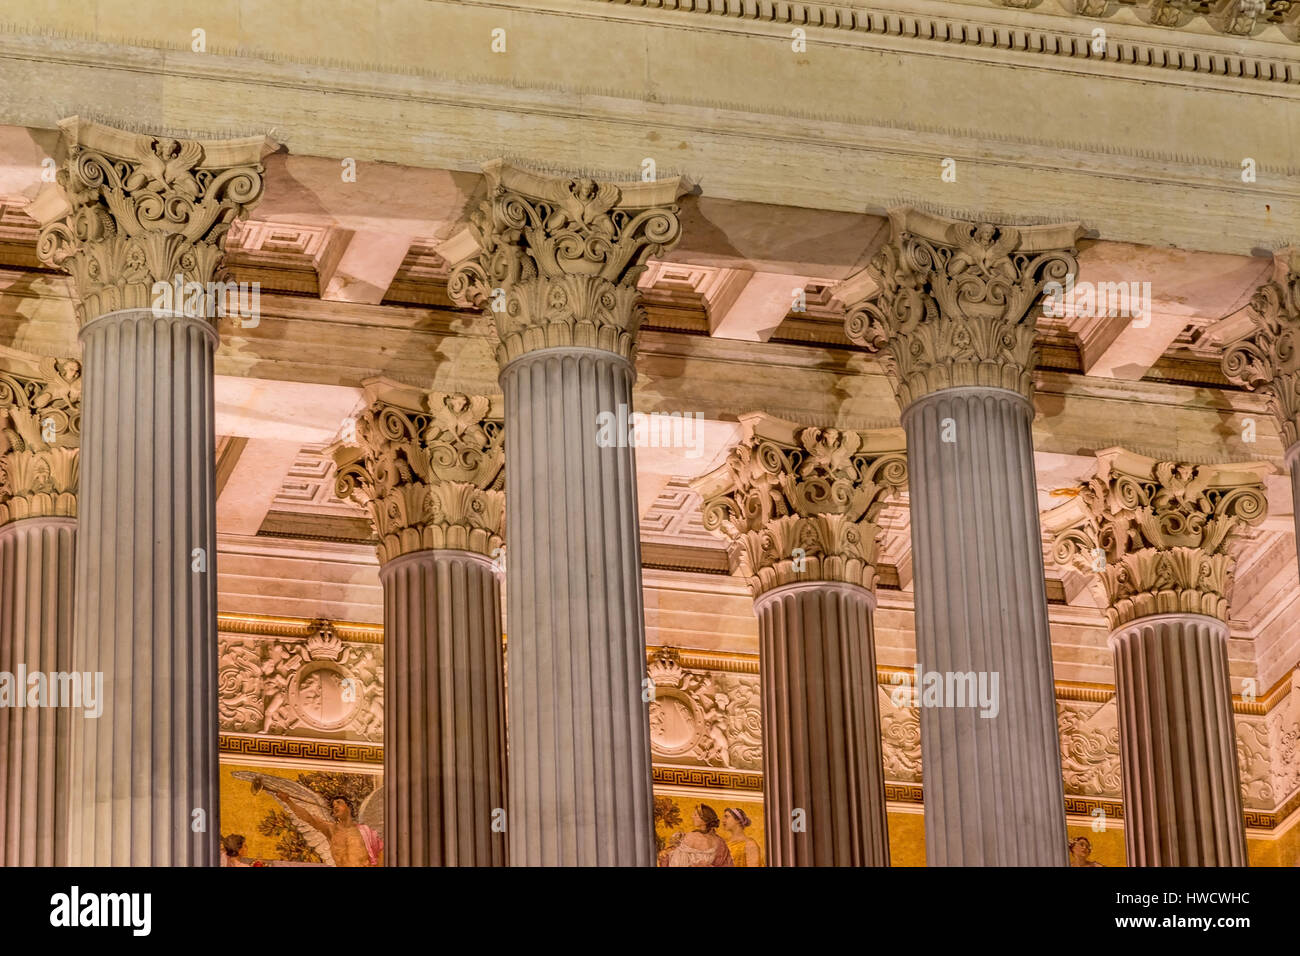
<point x="702" y="846"/>
<point x="1080" y="851"/>
<point x="744" y="849"/>
<point x="232" y="848"/>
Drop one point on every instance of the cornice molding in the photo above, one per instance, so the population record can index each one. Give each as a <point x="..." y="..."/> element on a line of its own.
<point x="1032" y="25"/>
<point x="263" y="625"/>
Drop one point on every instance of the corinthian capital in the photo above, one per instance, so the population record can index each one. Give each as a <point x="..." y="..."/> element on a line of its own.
<point x="1159" y="534"/>
<point x="955" y="301"/>
<point x="131" y="210"/>
<point x="800" y="504"/>
<point x="40" y="436"/>
<point x="429" y="467"/>
<point x="555" y="262"/>
<point x="1267" y="358"/>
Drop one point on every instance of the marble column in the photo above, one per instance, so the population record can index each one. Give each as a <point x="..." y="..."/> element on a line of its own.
<point x="555" y="262"/>
<point x="797" y="506"/>
<point x="139" y="221"/>
<point x="1157" y="536"/>
<point x="1267" y="358"/>
<point x="429" y="468"/>
<point x="953" y="315"/>
<point x="40" y="424"/>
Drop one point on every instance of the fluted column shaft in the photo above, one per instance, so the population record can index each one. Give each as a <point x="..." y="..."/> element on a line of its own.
<point x="146" y="612"/>
<point x="444" y="760"/>
<point x="579" y="766"/>
<point x="1293" y="466"/>
<point x="993" y="789"/>
<point x="821" y="727"/>
<point x="36" y="588"/>
<point x="1178" y="749"/>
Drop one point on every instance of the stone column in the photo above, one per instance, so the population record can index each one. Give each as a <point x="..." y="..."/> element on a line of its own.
<point x="797" y="507"/>
<point x="1156" y="534"/>
<point x="1268" y="359"/>
<point x="954" y="317"/>
<point x="429" y="468"/>
<point x="556" y="264"/>
<point x="40" y="431"/>
<point x="139" y="221"/>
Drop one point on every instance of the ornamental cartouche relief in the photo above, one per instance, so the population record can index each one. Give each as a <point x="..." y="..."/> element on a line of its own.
<point x="134" y="209"/>
<point x="800" y="504"/>
<point x="956" y="301"/>
<point x="556" y="261"/>
<point x="429" y="468"/>
<point x="1158" y="534"/>
<point x="40" y="437"/>
<point x="1268" y="358"/>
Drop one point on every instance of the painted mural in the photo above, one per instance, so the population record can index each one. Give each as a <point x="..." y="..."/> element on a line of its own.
<point x="312" y="817"/>
<point x="708" y="828"/>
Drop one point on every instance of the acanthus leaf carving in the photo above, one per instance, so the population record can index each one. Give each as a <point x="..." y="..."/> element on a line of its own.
<point x="132" y="210"/>
<point x="800" y="503"/>
<point x="430" y="471"/>
<point x="1158" y="534"/>
<point x="955" y="301"/>
<point x="40" y="438"/>
<point x="555" y="261"/>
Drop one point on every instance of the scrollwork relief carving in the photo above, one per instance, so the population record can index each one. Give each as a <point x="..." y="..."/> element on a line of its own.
<point x="800" y="503"/>
<point x="1158" y="534"/>
<point x="555" y="261"/>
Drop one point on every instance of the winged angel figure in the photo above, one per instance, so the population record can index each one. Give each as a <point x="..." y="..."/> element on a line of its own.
<point x="339" y="836"/>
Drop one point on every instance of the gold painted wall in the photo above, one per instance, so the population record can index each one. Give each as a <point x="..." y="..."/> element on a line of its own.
<point x="1282" y="850"/>
<point x="906" y="837"/>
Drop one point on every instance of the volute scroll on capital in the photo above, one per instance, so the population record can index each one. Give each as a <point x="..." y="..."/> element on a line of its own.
<point x="800" y="503"/>
<point x="131" y="210"/>
<point x="429" y="468"/>
<point x="555" y="261"/>
<point x="1159" y="535"/>
<point x="1267" y="358"/>
<point x="955" y="301"/>
<point x="40" y="438"/>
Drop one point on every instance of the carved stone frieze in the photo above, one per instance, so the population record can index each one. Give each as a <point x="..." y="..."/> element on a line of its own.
<point x="956" y="301"/>
<point x="707" y="718"/>
<point x="1283" y="726"/>
<point x="800" y="503"/>
<point x="1089" y="747"/>
<point x="1268" y="358"/>
<point x="318" y="687"/>
<point x="132" y="209"/>
<point x="900" y="732"/>
<point x="1158" y="534"/>
<point x="1254" y="761"/>
<point x="429" y="468"/>
<point x="1234" y="17"/>
<point x="555" y="261"/>
<point x="40" y="439"/>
